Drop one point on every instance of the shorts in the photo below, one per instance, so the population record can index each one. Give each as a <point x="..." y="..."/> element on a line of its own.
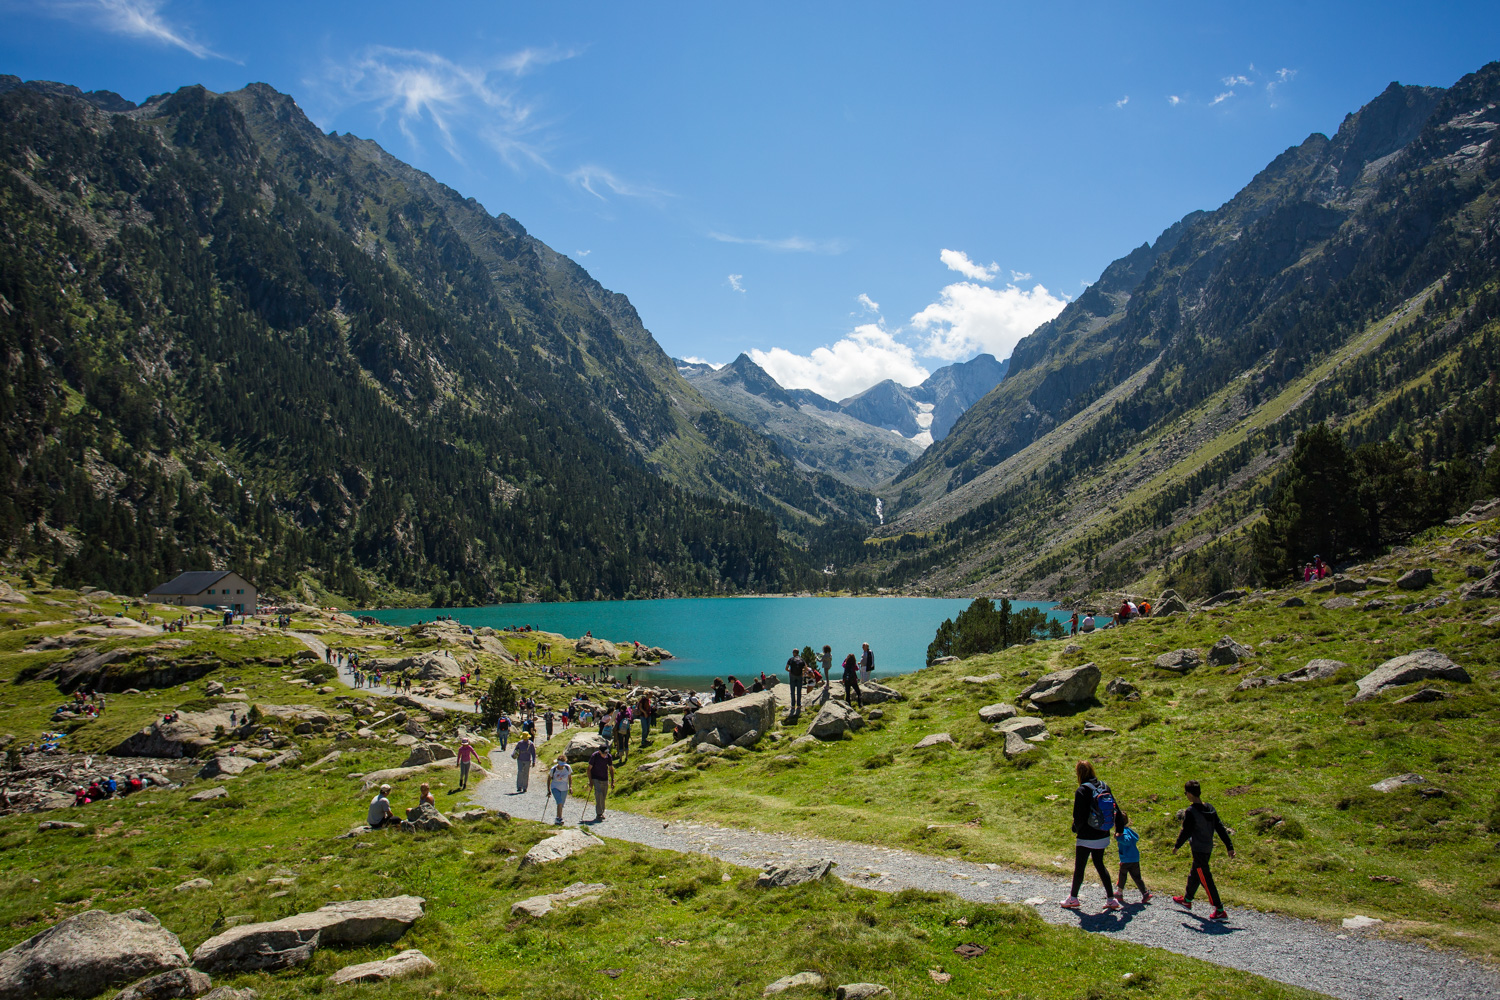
<point x="560" y="794"/>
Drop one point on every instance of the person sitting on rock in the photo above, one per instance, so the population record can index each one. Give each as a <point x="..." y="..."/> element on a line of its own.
<point x="424" y="797"/>
<point x="380" y="813"/>
<point x="735" y="687"/>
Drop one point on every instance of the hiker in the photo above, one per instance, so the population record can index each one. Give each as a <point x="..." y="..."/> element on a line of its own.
<point x="826" y="662"/>
<point x="794" y="666"/>
<point x="380" y="812"/>
<point x="622" y="733"/>
<point x="502" y="730"/>
<point x="465" y="758"/>
<point x="547" y="718"/>
<point x="851" y="680"/>
<point x="525" y="756"/>
<point x="1199" y="824"/>
<point x="1093" y="818"/>
<point x="866" y="664"/>
<point x="601" y="779"/>
<point x="560" y="782"/>
<point x="1128" y="842"/>
<point x="1073" y="624"/>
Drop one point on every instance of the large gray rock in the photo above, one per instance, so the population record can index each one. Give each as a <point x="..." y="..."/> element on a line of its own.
<point x="583" y="744"/>
<point x="410" y="962"/>
<point x="793" y="873"/>
<point x="427" y="753"/>
<point x="1169" y="603"/>
<point x="862" y="991"/>
<point x="737" y="716"/>
<point x="1415" y="579"/>
<point x="1064" y="687"/>
<point x="1340" y="603"/>
<point x="1399" y="781"/>
<point x="174" y="985"/>
<point x="436" y="665"/>
<point x="1489" y="587"/>
<point x="871" y="693"/>
<point x="228" y="764"/>
<point x="1179" y="661"/>
<point x="991" y="714"/>
<point x="1424" y="664"/>
<point x="1024" y="726"/>
<point x="811" y="980"/>
<point x="187" y="736"/>
<point x="589" y="646"/>
<point x="88" y="953"/>
<point x="1227" y="652"/>
<point x="280" y="944"/>
<point x="558" y="846"/>
<point x="936" y="739"/>
<point x="1016" y="745"/>
<point x="425" y="818"/>
<point x="573" y="895"/>
<point x="835" y="719"/>
<point x="1316" y="670"/>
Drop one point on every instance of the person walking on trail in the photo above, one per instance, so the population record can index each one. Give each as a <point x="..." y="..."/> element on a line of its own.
<point x="1093" y="817"/>
<point x="525" y="756"/>
<point x="465" y="758"/>
<point x="601" y="779"/>
<point x="866" y="664"/>
<point x="548" y="719"/>
<point x="851" y="680"/>
<point x="560" y="783"/>
<point x="1129" y="845"/>
<point x="1199" y="824"/>
<point x="502" y="730"/>
<point x="794" y="668"/>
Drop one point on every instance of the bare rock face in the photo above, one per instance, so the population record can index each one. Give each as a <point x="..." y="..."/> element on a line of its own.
<point x="1064" y="687"/>
<point x="174" y="985"/>
<point x="783" y="875"/>
<point x="573" y="895"/>
<point x="429" y="666"/>
<point x="1424" y="664"/>
<point x="410" y="962"/>
<point x="280" y="944"/>
<point x="834" y="720"/>
<point x="188" y="735"/>
<point x="88" y="953"/>
<point x="559" y="846"/>
<point x="738" y="716"/>
<point x="1179" y="661"/>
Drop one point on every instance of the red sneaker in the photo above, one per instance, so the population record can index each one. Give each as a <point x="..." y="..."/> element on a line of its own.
<point x="1218" y="915"/>
<point x="1186" y="904"/>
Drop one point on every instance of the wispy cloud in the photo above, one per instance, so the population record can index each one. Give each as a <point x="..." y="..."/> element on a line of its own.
<point x="957" y="260"/>
<point x="1221" y="98"/>
<point x="582" y="253"/>
<point x="141" y="19"/>
<point x="788" y="244"/>
<point x="1123" y="101"/>
<point x="1278" y="78"/>
<point x="737" y="282"/>
<point x="523" y="62"/>
<point x="867" y="303"/>
<point x="1238" y="80"/>
<point x="1020" y="276"/>
<point x="1173" y="100"/>
<point x="596" y="180"/>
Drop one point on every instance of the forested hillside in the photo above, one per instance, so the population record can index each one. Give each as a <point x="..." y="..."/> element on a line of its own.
<point x="231" y="340"/>
<point x="1353" y="281"/>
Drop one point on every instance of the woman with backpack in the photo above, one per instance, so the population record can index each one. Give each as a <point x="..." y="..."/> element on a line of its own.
<point x="1093" y="817"/>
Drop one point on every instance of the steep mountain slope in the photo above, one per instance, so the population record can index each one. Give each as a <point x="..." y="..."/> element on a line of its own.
<point x="1352" y="280"/>
<point x="814" y="431"/>
<point x="231" y="339"/>
<point x="926" y="412"/>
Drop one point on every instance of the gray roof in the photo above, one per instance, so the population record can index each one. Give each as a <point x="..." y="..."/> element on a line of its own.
<point x="189" y="584"/>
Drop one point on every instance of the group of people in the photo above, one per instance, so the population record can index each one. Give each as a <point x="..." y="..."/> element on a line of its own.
<point x="806" y="670"/>
<point x="1097" y="817"/>
<point x="1316" y="570"/>
<point x="89" y="704"/>
<point x="109" y="787"/>
<point x="1127" y="612"/>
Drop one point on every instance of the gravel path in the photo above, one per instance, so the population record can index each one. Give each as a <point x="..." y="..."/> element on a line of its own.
<point x="346" y="675"/>
<point x="1354" y="964"/>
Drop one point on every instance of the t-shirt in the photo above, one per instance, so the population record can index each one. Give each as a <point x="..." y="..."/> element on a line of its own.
<point x="599" y="764"/>
<point x="562" y="776"/>
<point x="1130" y="851"/>
<point x="380" y="807"/>
<point x="794" y="666"/>
<point x="465" y="753"/>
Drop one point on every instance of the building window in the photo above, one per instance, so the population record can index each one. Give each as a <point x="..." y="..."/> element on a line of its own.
<point x="240" y="591"/>
<point x="210" y="590"/>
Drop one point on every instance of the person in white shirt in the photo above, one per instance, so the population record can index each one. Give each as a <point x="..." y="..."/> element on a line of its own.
<point x="561" y="783"/>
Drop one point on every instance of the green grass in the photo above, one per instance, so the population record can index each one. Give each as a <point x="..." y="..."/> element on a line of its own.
<point x="1294" y="752"/>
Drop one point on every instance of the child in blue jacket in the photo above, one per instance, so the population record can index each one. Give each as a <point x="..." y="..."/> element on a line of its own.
<point x="1130" y="857"/>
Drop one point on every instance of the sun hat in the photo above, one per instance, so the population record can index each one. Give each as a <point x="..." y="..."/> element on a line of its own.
<point x="384" y="789"/>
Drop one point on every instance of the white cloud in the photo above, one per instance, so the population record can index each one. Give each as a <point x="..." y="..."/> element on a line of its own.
<point x="1173" y="100"/>
<point x="596" y="179"/>
<point x="1221" y="98"/>
<point x="1020" y="276"/>
<point x="957" y="260"/>
<point x="867" y="303"/>
<point x="582" y="253"/>
<point x="1123" y="101"/>
<point x="737" y="282"/>
<point x="969" y="318"/>
<point x="1238" y="80"/>
<point x="694" y="360"/>
<point x="1281" y="76"/>
<point x="523" y="62"/>
<point x="789" y="244"/>
<point x="132" y="18"/>
<point x="867" y="355"/>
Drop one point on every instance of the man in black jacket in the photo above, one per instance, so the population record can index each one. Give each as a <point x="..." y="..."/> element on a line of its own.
<point x="1199" y="824"/>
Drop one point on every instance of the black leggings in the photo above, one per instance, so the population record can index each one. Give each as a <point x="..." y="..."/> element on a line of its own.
<point x="1202" y="874"/>
<point x="1081" y="857"/>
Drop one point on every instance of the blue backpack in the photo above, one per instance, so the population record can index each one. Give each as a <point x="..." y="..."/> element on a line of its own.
<point x="1102" y="812"/>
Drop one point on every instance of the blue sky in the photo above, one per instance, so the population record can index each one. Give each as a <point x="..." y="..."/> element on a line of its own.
<point x="848" y="191"/>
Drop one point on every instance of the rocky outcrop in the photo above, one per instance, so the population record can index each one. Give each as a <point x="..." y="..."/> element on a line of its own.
<point x="834" y="720"/>
<point x="589" y="646"/>
<point x="425" y="818"/>
<point x="991" y="714"/>
<point x="280" y="944"/>
<point x="1179" y="661"/>
<point x="1227" y="652"/>
<point x="732" y="719"/>
<point x="186" y="736"/>
<point x="583" y="744"/>
<point x="174" y="985"/>
<point x="1024" y="726"/>
<point x="871" y="693"/>
<point x="227" y="765"/>
<point x="1488" y="587"/>
<point x="1316" y="670"/>
<point x="559" y="846"/>
<point x="1016" y="745"/>
<point x="87" y="954"/>
<point x="794" y="873"/>
<point x="934" y="740"/>
<point x="1424" y="664"/>
<point x="410" y="962"/>
<point x="1399" y="781"/>
<point x="573" y="895"/>
<point x="1415" y="579"/>
<point x="1168" y="604"/>
<point x="1064" y="687"/>
<point x="427" y="753"/>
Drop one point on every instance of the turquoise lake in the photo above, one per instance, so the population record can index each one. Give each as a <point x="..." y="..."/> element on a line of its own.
<point x="718" y="636"/>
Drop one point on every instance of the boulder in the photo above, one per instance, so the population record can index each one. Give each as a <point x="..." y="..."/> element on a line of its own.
<point x="1094" y="729"/>
<point x="229" y="764"/>
<point x="1223" y="597"/>
<point x="998" y="712"/>
<point x="427" y="753"/>
<point x="425" y="818"/>
<point x="435" y="665"/>
<point x="1424" y="664"/>
<point x="173" y="985"/>
<point x="208" y="794"/>
<point x="1024" y="726"/>
<point x="1016" y="745"/>
<point x="1168" y="604"/>
<point x="936" y="739"/>
<point x="194" y="883"/>
<point x="187" y="736"/>
<point x="861" y="991"/>
<point x="793" y="873"/>
<point x="88" y="953"/>
<point x="748" y="740"/>
<point x="589" y="646"/>
<point x="1179" y="661"/>
<point x="1227" y="652"/>
<point x="984" y="679"/>
<point x="410" y="962"/>
<point x="1348" y="584"/>
<point x="1489" y="587"/>
<point x="942" y="661"/>
<point x="583" y="744"/>
<point x="810" y="980"/>
<point x="1064" y="687"/>
<point x="835" y="719"/>
<point x="1423" y="696"/>
<point x="213" y="689"/>
<point x="558" y="846"/>
<point x="1316" y="670"/>
<point x="1119" y="687"/>
<point x="1293" y="602"/>
<point x="1399" y="781"/>
<point x="1340" y="603"/>
<point x="737" y="716"/>
<point x="284" y="760"/>
<point x="280" y="944"/>
<point x="540" y="906"/>
<point x="1415" y="579"/>
<point x="871" y="693"/>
